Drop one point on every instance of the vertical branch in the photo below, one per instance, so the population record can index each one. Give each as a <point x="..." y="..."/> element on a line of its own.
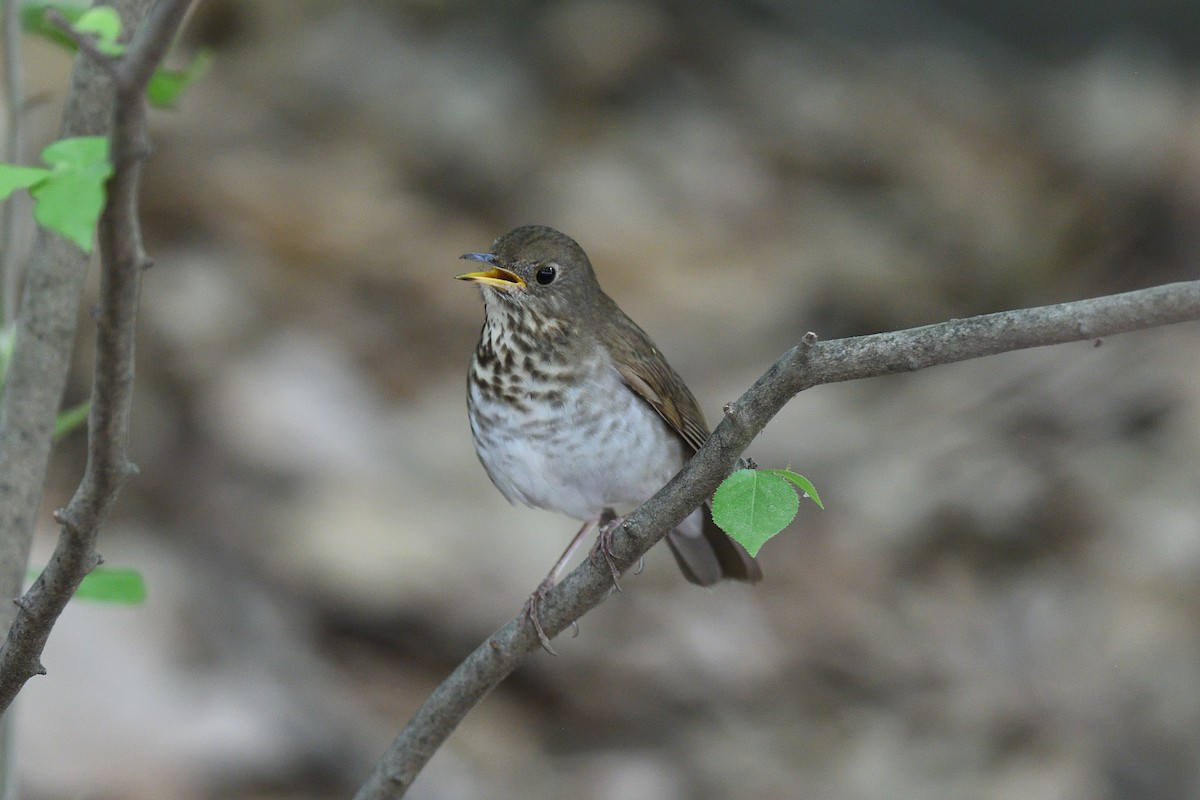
<point x="14" y="149"/>
<point x="122" y="262"/>
<point x="10" y="272"/>
<point x="45" y="335"/>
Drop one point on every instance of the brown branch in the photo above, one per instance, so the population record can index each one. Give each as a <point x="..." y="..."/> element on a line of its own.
<point x="45" y="335"/>
<point x="122" y="262"/>
<point x="810" y="363"/>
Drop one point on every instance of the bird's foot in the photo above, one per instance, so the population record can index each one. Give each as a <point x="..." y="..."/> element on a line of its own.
<point x="603" y="547"/>
<point x="530" y="611"/>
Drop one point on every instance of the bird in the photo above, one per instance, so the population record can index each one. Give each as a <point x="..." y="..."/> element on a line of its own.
<point x="573" y="408"/>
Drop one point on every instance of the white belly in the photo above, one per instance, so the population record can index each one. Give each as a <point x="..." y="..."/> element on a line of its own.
<point x="579" y="457"/>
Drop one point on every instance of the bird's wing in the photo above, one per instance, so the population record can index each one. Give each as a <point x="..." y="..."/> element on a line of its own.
<point x="713" y="556"/>
<point x="651" y="377"/>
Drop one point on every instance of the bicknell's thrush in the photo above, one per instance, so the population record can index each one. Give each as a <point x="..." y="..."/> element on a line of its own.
<point x="572" y="407"/>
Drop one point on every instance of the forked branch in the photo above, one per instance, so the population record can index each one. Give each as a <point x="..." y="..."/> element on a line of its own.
<point x="122" y="262"/>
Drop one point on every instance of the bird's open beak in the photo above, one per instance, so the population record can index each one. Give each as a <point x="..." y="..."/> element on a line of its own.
<point x="497" y="277"/>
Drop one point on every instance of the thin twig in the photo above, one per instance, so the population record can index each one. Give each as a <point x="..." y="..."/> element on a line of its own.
<point x="84" y="42"/>
<point x="810" y="363"/>
<point x="122" y="261"/>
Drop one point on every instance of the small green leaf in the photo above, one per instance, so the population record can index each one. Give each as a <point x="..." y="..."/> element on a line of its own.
<point x="14" y="177"/>
<point x="166" y="85"/>
<point x="113" y="585"/>
<point x="752" y="506"/>
<point x="69" y="200"/>
<point x="110" y="585"/>
<point x="804" y="483"/>
<point x="104" y="23"/>
<point x="69" y="420"/>
<point x="70" y="204"/>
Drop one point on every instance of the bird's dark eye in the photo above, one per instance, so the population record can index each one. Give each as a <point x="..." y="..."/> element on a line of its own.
<point x="546" y="275"/>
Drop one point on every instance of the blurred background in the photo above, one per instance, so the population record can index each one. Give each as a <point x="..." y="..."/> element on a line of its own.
<point x="1002" y="597"/>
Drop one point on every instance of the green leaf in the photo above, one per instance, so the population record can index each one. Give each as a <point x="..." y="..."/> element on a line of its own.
<point x="104" y="23"/>
<point x="69" y="200"/>
<point x="69" y="420"/>
<point x="166" y="85"/>
<point x="113" y="585"/>
<point x="110" y="585"/>
<point x="14" y="177"/>
<point x="752" y="506"/>
<point x="804" y="483"/>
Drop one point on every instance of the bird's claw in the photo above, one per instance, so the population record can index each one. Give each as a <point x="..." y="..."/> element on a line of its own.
<point x="531" y="612"/>
<point x="603" y="547"/>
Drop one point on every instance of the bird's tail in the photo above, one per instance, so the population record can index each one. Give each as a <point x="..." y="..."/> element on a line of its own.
<point x="706" y="554"/>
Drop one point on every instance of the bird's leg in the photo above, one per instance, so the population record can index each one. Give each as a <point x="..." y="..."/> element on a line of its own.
<point x="609" y="523"/>
<point x="539" y="594"/>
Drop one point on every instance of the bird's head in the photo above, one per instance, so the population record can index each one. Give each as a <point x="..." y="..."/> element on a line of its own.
<point x="536" y="267"/>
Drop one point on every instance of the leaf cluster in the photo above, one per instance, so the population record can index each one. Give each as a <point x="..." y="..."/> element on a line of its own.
<point x="103" y="23"/>
<point x="69" y="193"/>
